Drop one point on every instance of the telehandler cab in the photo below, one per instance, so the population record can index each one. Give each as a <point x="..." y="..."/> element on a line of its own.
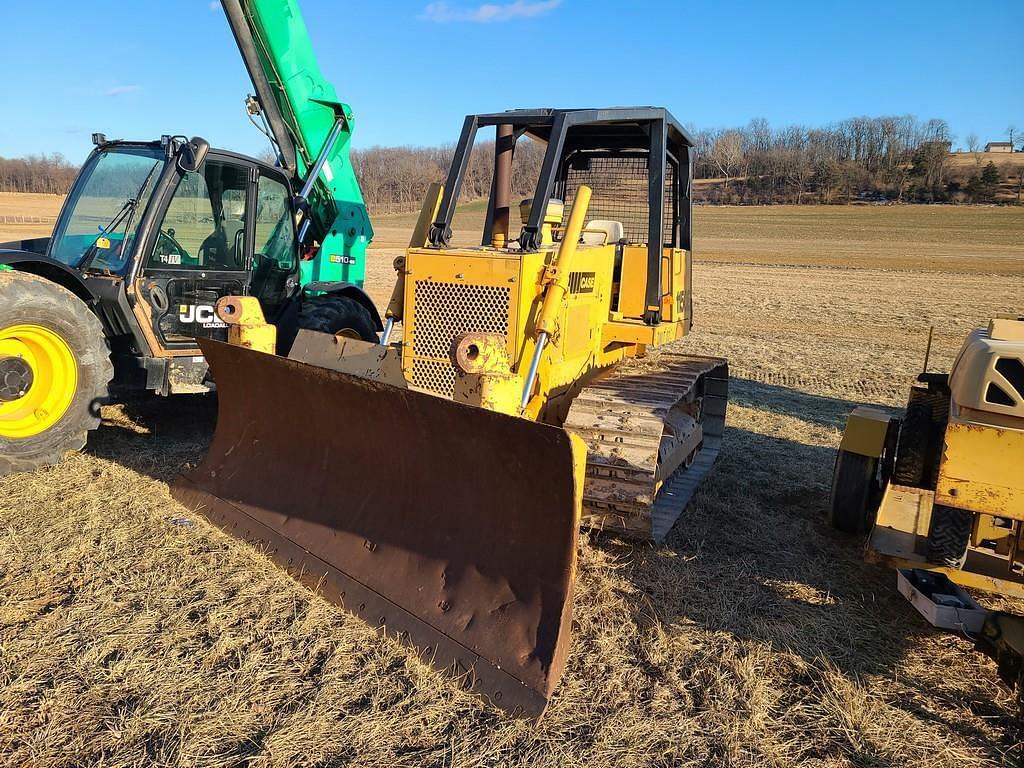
<point x="152" y="234"/>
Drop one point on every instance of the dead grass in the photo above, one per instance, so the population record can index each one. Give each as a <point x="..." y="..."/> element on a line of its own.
<point x="937" y="238"/>
<point x="45" y="207"/>
<point x="134" y="633"/>
<point x="974" y="159"/>
<point x="29" y="204"/>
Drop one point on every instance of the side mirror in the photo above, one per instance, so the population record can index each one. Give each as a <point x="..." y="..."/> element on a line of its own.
<point x="192" y="153"/>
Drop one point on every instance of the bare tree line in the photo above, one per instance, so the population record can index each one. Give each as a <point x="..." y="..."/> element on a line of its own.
<point x="396" y="178"/>
<point x="48" y="174"/>
<point x="897" y="158"/>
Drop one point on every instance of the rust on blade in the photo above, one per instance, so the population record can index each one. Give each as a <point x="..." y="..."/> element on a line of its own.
<point x="354" y="356"/>
<point x="451" y="527"/>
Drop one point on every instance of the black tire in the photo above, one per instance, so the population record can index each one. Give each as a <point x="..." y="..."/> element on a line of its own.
<point x="949" y="536"/>
<point x="912" y="448"/>
<point x="337" y="315"/>
<point x="29" y="299"/>
<point x="854" y="499"/>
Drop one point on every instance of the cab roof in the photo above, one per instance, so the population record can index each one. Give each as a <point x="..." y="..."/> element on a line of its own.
<point x="609" y="127"/>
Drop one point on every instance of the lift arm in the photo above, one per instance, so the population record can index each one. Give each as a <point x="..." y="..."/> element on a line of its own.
<point x="312" y="129"/>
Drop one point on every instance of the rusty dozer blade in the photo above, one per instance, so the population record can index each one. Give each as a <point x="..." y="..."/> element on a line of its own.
<point x="451" y="527"/>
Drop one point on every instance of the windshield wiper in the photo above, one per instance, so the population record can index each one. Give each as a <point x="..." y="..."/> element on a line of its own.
<point x="126" y="212"/>
<point x="90" y="252"/>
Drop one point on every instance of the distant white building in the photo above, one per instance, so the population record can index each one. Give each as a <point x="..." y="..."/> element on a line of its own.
<point x="999" y="146"/>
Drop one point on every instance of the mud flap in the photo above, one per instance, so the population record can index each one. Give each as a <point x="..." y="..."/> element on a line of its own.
<point x="450" y="527"/>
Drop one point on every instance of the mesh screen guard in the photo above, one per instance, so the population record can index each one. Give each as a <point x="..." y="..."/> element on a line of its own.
<point x="620" y="192"/>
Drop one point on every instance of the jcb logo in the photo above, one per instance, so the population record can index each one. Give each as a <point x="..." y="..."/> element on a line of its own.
<point x="203" y="314"/>
<point x="582" y="282"/>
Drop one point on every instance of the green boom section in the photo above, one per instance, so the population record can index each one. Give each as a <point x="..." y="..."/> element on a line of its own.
<point x="309" y="108"/>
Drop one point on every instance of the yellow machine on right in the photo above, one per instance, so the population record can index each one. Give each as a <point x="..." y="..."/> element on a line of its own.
<point x="942" y="487"/>
<point x="939" y="491"/>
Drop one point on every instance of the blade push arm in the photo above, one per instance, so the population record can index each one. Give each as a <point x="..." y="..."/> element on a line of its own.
<point x="304" y="115"/>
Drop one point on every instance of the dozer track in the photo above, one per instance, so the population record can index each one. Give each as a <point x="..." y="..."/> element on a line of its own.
<point x="652" y="434"/>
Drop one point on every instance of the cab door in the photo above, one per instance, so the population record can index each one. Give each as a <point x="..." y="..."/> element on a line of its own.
<point x="275" y="265"/>
<point x="200" y="252"/>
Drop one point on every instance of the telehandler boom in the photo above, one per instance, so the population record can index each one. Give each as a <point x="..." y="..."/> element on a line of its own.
<point x="152" y="234"/>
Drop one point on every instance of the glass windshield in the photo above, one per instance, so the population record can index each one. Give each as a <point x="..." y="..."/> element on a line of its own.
<point x="99" y="221"/>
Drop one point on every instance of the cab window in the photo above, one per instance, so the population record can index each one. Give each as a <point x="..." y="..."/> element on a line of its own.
<point x="204" y="226"/>
<point x="275" y="231"/>
<point x="275" y="256"/>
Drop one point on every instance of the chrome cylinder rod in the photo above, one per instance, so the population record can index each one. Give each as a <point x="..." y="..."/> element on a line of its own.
<point x="314" y="173"/>
<point x="542" y="340"/>
<point x="318" y="166"/>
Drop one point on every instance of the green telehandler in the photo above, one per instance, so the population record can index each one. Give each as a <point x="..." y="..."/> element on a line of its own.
<point x="153" y="233"/>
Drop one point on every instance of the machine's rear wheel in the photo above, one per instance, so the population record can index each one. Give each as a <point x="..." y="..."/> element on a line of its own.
<point x="912" y="449"/>
<point x="949" y="536"/>
<point x="854" y="498"/>
<point x="54" y="372"/>
<point x="337" y="315"/>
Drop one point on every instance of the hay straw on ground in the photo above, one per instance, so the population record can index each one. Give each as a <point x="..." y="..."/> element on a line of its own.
<point x="132" y="633"/>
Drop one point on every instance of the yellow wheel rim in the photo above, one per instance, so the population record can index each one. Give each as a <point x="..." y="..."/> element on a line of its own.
<point x="53" y="380"/>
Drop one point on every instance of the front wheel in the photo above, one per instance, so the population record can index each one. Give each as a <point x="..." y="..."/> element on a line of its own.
<point x="855" y="492"/>
<point x="54" y="371"/>
<point x="949" y="536"/>
<point x="912" y="448"/>
<point x="338" y="316"/>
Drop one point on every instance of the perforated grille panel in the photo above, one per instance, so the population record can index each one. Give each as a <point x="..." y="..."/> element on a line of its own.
<point x="435" y="375"/>
<point x="442" y="311"/>
<point x="619" y="187"/>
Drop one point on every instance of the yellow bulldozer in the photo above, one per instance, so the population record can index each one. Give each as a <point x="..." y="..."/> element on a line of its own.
<point x="434" y="484"/>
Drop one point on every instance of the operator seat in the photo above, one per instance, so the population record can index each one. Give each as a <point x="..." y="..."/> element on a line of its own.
<point x="223" y="248"/>
<point x="604" y="231"/>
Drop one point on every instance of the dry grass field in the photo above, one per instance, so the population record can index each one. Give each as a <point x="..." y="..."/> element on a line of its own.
<point x="1008" y="161"/>
<point x="41" y="210"/>
<point x="133" y="633"/>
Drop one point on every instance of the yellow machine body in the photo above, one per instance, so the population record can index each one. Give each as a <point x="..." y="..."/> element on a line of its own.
<point x="499" y="292"/>
<point x="899" y="539"/>
<point x="983" y="448"/>
<point x="982" y="470"/>
<point x="247" y="326"/>
<point x="865" y="431"/>
<point x="963" y="515"/>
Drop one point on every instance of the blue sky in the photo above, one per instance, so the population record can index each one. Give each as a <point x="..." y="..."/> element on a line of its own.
<point x="411" y="70"/>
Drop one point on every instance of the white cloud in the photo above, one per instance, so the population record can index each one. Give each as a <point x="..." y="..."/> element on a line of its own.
<point x="214" y="5"/>
<point x="442" y="12"/>
<point x="119" y="90"/>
